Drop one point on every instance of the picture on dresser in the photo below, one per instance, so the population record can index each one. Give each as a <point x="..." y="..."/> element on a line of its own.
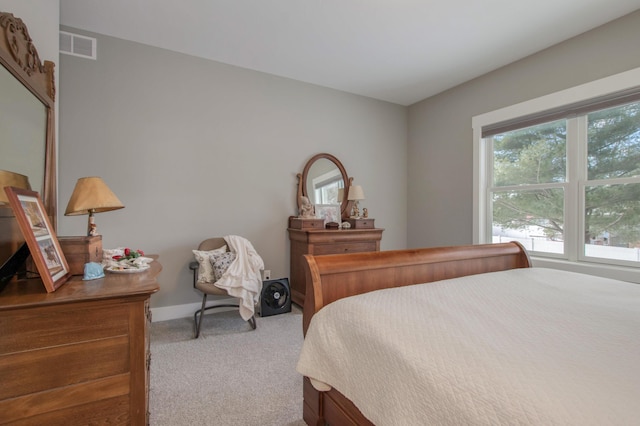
<point x="40" y="237"/>
<point x="328" y="212"/>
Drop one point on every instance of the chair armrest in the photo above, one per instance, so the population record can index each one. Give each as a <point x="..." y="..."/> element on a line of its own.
<point x="194" y="266"/>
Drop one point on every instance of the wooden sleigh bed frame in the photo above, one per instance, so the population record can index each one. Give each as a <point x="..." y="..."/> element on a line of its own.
<point x="332" y="277"/>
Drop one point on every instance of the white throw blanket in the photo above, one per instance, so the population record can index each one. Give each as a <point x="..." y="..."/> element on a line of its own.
<point x="243" y="279"/>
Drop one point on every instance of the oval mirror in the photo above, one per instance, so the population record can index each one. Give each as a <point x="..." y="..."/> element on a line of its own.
<point x="323" y="181"/>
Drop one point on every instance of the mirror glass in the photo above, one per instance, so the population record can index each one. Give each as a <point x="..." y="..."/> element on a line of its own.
<point x="23" y="124"/>
<point x="324" y="181"/>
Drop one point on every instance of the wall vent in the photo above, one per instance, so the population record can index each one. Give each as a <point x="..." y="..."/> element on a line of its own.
<point x="77" y="45"/>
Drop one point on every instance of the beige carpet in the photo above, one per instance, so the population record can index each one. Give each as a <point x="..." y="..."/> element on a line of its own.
<point x="231" y="375"/>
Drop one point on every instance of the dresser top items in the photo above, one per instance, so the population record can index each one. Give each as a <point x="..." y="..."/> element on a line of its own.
<point x="30" y="292"/>
<point x="327" y="198"/>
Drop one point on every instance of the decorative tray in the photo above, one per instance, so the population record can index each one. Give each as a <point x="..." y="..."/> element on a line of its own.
<point x="116" y="270"/>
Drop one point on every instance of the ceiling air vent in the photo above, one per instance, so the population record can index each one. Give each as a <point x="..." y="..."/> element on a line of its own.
<point x="77" y="45"/>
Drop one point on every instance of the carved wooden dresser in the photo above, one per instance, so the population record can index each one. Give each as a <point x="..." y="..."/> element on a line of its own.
<point x="79" y="355"/>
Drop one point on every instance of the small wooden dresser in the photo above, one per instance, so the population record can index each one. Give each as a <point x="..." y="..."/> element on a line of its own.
<point x="325" y="241"/>
<point x="79" y="355"/>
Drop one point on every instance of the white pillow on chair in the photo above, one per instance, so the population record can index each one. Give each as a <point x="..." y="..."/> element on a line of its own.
<point x="205" y="271"/>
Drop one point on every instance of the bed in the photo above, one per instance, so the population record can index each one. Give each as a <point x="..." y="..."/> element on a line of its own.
<point x="481" y="338"/>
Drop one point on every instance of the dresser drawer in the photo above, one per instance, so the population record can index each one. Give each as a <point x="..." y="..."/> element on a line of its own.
<point x="340" y="248"/>
<point x="56" y="367"/>
<point x="31" y="329"/>
<point x="361" y="223"/>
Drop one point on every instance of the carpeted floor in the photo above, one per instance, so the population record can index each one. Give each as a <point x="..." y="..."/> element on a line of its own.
<point x="231" y="375"/>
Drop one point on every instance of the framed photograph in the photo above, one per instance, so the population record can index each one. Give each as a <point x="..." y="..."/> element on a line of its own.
<point x="40" y="237"/>
<point x="328" y="212"/>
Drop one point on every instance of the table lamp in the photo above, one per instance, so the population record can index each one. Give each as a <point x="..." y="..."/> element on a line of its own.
<point x="91" y="195"/>
<point x="355" y="194"/>
<point x="12" y="179"/>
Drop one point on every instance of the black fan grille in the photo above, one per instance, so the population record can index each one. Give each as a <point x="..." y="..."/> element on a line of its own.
<point x="275" y="295"/>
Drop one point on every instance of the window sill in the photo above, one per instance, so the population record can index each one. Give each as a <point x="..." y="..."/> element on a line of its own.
<point x="599" y="269"/>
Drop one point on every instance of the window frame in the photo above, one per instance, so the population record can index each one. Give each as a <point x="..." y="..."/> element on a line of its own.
<point x="573" y="258"/>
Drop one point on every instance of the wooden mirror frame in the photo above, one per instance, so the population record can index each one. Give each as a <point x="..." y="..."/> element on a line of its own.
<point x="345" y="206"/>
<point x="20" y="57"/>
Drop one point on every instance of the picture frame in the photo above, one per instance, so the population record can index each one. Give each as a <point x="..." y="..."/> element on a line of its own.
<point x="40" y="237"/>
<point x="329" y="213"/>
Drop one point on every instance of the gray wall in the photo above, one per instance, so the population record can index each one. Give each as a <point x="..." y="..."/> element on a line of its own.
<point x="195" y="148"/>
<point x="440" y="167"/>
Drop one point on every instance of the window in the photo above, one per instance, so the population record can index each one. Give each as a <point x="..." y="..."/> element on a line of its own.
<point x="327" y="187"/>
<point x="612" y="188"/>
<point x="563" y="180"/>
<point x="529" y="186"/>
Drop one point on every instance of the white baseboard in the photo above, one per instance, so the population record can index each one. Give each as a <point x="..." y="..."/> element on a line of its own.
<point x="166" y="313"/>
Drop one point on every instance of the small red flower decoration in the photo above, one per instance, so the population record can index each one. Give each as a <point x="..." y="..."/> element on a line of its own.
<point x="128" y="254"/>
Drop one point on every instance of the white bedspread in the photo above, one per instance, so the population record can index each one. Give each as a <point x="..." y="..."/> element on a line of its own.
<point x="526" y="346"/>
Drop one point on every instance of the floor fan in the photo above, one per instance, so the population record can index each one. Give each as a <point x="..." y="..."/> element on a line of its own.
<point x="275" y="297"/>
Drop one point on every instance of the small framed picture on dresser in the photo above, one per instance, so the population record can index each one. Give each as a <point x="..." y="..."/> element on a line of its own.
<point x="328" y="212"/>
<point x="40" y="237"/>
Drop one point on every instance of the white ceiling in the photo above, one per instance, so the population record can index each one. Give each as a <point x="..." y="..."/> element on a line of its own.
<point x="401" y="51"/>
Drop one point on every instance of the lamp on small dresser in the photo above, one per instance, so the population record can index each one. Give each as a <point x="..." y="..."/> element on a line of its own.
<point x="356" y="193"/>
<point x="91" y="195"/>
<point x="357" y="221"/>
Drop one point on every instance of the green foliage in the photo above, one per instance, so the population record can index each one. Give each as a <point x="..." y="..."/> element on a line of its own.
<point x="532" y="155"/>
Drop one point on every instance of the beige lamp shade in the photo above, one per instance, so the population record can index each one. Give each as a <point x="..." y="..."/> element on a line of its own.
<point x="12" y="179"/>
<point x="92" y="195"/>
<point x="356" y="193"/>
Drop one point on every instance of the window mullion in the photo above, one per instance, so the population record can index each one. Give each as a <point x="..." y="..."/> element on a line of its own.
<point x="576" y="170"/>
<point x="583" y="173"/>
<point x="488" y="194"/>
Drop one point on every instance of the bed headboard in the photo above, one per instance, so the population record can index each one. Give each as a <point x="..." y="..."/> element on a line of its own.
<point x="332" y="277"/>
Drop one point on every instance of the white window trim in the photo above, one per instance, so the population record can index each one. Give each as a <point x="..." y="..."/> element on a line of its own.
<point x="594" y="89"/>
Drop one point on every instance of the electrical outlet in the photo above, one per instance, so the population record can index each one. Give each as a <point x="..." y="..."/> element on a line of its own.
<point x="266" y="274"/>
